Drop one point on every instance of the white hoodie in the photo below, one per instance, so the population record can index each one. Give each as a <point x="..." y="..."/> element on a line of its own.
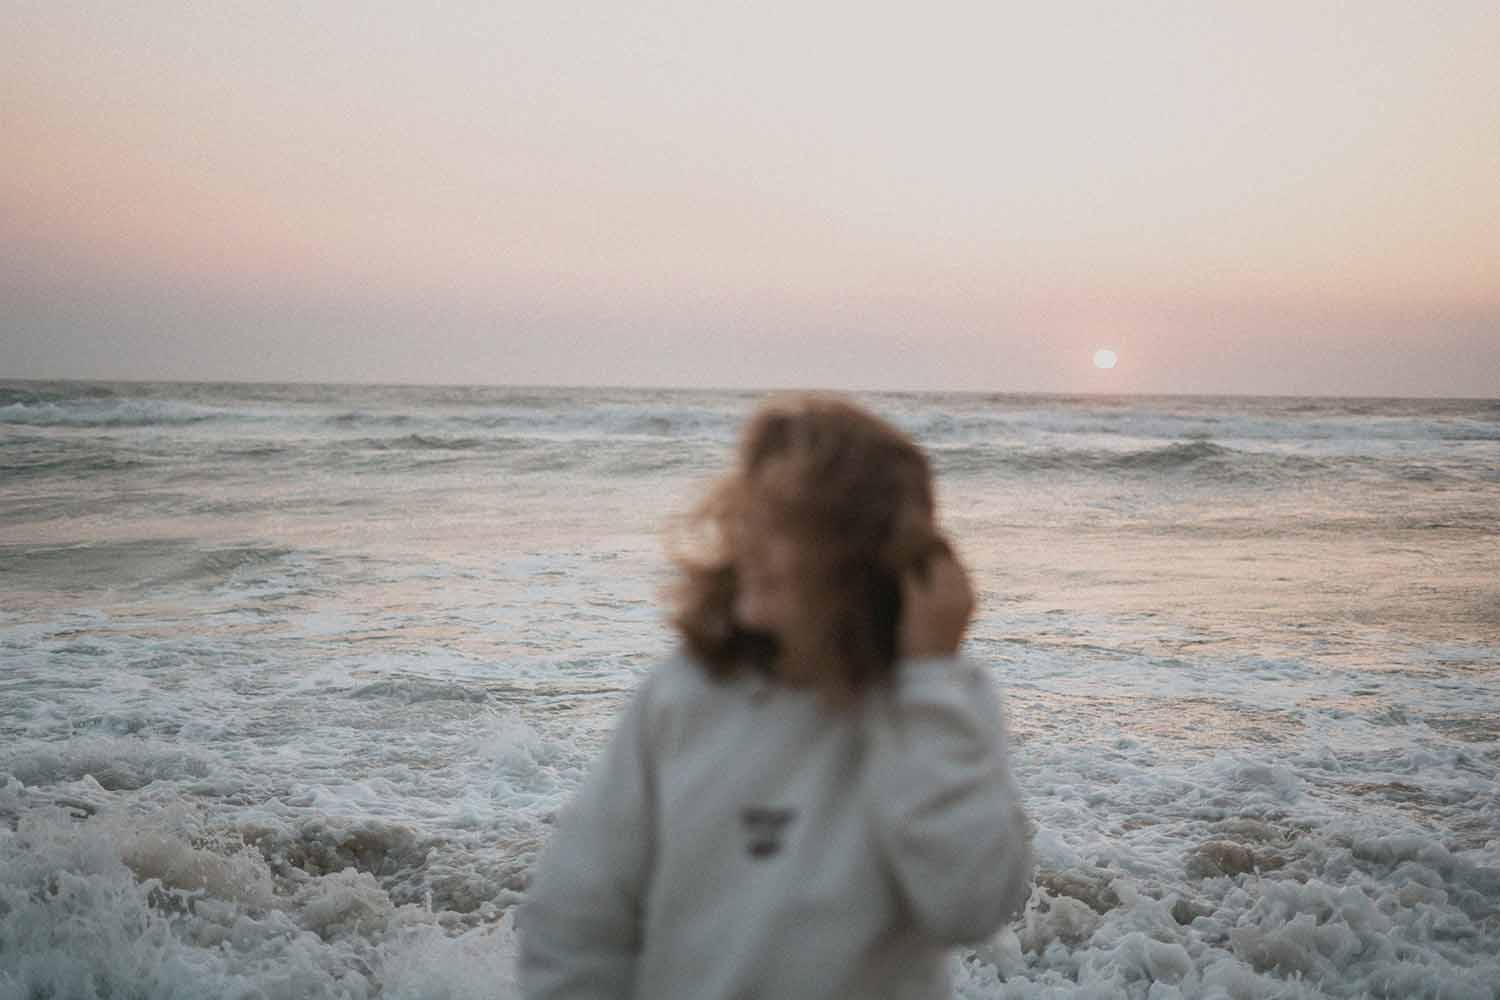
<point x="741" y="839"/>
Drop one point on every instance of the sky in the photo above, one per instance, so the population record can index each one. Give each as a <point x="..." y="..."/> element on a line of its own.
<point x="1235" y="197"/>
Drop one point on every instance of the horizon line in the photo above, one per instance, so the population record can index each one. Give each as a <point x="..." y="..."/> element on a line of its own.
<point x="732" y="389"/>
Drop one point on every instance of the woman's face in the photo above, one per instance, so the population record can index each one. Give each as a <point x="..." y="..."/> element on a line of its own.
<point x="778" y="577"/>
<point x="770" y="595"/>
<point x="778" y="594"/>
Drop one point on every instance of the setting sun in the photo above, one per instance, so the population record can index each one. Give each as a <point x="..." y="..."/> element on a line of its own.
<point x="1105" y="358"/>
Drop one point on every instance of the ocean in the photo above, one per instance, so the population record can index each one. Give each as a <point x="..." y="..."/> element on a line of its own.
<point x="293" y="678"/>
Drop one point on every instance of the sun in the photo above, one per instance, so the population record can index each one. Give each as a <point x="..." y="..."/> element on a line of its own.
<point x="1105" y="358"/>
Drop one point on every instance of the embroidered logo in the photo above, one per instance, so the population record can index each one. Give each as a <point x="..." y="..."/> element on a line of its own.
<point x="764" y="827"/>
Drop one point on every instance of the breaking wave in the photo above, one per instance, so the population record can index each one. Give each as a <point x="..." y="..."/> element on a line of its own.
<point x="114" y="412"/>
<point x="1189" y="458"/>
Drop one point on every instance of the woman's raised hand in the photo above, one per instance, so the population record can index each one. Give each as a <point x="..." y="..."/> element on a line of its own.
<point x="936" y="606"/>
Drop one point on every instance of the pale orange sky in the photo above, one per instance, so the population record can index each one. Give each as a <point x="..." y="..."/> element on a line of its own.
<point x="1238" y="197"/>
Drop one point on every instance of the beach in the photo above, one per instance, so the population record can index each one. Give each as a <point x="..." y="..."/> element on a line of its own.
<point x="294" y="678"/>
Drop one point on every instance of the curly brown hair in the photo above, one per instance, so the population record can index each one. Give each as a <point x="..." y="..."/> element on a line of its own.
<point x="857" y="494"/>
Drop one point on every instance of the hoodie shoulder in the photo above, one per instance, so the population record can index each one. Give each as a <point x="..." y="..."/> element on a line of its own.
<point x="679" y="697"/>
<point x="678" y="678"/>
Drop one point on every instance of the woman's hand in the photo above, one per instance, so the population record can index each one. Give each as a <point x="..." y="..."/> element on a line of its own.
<point x="936" y="606"/>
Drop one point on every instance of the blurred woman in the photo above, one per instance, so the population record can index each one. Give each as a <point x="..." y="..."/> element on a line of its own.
<point x="811" y="797"/>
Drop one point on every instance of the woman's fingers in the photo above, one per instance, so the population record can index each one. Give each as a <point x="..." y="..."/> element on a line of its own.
<point x="942" y="579"/>
<point x="936" y="607"/>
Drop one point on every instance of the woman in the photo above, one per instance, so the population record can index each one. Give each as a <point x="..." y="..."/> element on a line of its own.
<point x="811" y="798"/>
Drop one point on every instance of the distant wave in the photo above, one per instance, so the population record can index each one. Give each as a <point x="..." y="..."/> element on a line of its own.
<point x="613" y="420"/>
<point x="1193" y="457"/>
<point x="1283" y="426"/>
<point x="29" y="455"/>
<point x="432" y="442"/>
<point x="149" y="564"/>
<point x="1175" y="455"/>
<point x="11" y="394"/>
<point x="362" y="418"/>
<point x="112" y="413"/>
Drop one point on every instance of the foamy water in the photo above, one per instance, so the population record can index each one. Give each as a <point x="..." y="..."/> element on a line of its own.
<point x="293" y="678"/>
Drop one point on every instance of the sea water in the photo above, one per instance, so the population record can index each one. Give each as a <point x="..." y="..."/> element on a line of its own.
<point x="294" y="678"/>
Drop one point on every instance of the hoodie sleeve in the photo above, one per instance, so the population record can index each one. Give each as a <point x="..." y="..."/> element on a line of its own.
<point x="947" y="813"/>
<point x="580" y="927"/>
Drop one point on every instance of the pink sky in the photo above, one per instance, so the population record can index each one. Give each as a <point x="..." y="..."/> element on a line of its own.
<point x="1237" y="197"/>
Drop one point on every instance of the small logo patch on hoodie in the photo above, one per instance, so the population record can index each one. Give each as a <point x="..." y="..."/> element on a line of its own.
<point x="764" y="827"/>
